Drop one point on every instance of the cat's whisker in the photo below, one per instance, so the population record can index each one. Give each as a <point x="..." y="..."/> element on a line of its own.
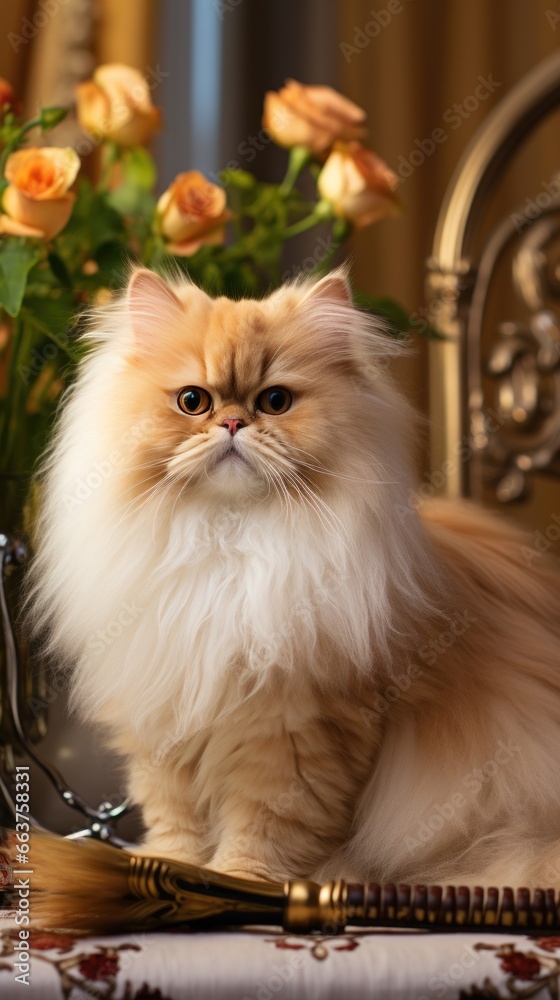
<point x="280" y="487"/>
<point x="173" y="481"/>
<point x="338" y="475"/>
<point x="323" y="509"/>
<point x="288" y="470"/>
<point x="191" y="451"/>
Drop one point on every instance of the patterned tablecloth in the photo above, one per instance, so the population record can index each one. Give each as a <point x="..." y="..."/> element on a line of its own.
<point x="257" y="965"/>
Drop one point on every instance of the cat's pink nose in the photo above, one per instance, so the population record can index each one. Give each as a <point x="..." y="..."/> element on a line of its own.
<point x="233" y="424"/>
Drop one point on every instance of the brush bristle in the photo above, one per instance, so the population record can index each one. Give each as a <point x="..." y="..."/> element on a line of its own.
<point x="78" y="885"/>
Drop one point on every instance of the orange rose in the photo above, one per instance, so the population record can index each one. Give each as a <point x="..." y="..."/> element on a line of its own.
<point x="117" y="105"/>
<point x="314" y="117"/>
<point x="192" y="213"/>
<point x="359" y="186"/>
<point x="37" y="201"/>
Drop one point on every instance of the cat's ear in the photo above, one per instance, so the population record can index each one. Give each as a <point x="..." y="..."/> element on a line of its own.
<point x="153" y="308"/>
<point x="334" y="287"/>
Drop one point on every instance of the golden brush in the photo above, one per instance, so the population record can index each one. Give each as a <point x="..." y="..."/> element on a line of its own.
<point x="89" y="886"/>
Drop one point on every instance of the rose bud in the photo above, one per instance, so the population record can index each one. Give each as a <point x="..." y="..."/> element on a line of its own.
<point x="358" y="184"/>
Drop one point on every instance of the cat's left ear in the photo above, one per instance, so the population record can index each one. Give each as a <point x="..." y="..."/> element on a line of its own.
<point x="153" y="308"/>
<point x="334" y="287"/>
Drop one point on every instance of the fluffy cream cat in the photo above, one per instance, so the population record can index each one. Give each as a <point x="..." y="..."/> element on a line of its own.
<point x="308" y="676"/>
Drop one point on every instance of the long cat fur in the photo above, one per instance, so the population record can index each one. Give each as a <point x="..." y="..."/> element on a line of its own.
<point x="307" y="674"/>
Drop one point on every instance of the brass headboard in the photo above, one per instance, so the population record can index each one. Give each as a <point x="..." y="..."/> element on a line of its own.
<point x="497" y="399"/>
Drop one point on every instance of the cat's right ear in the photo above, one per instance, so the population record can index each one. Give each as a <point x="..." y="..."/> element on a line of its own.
<point x="153" y="308"/>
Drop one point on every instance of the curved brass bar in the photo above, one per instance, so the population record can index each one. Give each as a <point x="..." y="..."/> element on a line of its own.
<point x="501" y="133"/>
<point x="452" y="267"/>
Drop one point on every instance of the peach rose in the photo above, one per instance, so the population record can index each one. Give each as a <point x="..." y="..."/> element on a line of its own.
<point x="37" y="200"/>
<point x="358" y="184"/>
<point x="315" y="117"/>
<point x="116" y="105"/>
<point x="192" y="213"/>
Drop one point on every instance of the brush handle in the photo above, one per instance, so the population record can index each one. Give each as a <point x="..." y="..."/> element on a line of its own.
<point x="452" y="908"/>
<point x="173" y="893"/>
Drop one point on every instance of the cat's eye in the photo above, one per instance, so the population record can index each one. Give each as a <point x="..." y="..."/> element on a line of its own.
<point x="193" y="400"/>
<point x="275" y="401"/>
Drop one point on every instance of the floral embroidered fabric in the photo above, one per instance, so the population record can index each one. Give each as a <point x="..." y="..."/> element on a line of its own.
<point x="257" y="965"/>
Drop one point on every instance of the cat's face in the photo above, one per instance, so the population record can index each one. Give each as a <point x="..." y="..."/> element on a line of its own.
<point x="255" y="398"/>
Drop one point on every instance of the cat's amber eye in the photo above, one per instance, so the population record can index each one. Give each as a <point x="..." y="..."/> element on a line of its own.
<point x="275" y="401"/>
<point x="193" y="400"/>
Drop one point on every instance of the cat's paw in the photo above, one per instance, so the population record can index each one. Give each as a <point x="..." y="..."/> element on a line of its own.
<point x="252" y="870"/>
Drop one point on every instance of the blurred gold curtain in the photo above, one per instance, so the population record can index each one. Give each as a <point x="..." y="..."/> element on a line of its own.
<point x="13" y="52"/>
<point x="408" y="70"/>
<point x="60" y="41"/>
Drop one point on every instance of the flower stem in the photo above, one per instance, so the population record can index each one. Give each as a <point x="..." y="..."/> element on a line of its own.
<point x="321" y="212"/>
<point x="111" y="155"/>
<point x="14" y="143"/>
<point x="299" y="158"/>
<point x="13" y="429"/>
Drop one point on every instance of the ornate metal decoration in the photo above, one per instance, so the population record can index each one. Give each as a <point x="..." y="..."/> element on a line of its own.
<point x="13" y="737"/>
<point x="503" y="406"/>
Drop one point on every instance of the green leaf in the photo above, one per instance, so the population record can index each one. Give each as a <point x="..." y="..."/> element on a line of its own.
<point x="138" y="169"/>
<point x="130" y="199"/>
<point x="53" y="311"/>
<point x="93" y="221"/>
<point x="238" y="179"/>
<point x="51" y="117"/>
<point x="16" y="260"/>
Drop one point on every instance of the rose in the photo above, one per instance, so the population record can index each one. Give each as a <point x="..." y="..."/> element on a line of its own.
<point x="358" y="184"/>
<point x="116" y="105"/>
<point x="8" y="100"/>
<point x="37" y="200"/>
<point x="314" y="117"/>
<point x="191" y="213"/>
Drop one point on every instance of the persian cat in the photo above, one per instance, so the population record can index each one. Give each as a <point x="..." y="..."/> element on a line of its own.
<point x="307" y="673"/>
